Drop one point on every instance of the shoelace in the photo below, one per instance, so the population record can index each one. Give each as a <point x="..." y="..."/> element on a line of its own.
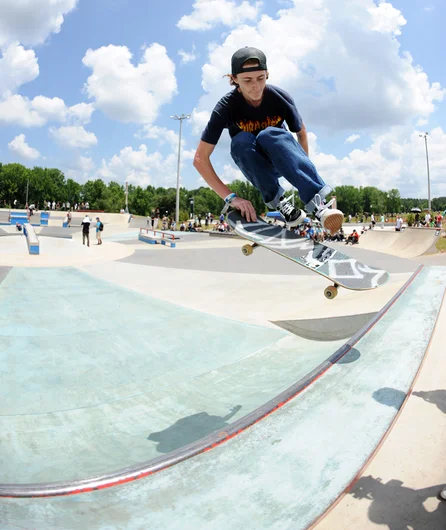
<point x="286" y="208"/>
<point x="320" y="204"/>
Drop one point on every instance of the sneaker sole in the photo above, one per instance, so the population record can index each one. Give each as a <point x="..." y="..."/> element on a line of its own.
<point x="333" y="223"/>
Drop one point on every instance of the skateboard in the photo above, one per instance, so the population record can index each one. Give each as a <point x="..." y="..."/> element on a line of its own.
<point x="342" y="270"/>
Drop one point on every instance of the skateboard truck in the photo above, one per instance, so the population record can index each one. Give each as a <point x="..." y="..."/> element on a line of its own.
<point x="330" y="292"/>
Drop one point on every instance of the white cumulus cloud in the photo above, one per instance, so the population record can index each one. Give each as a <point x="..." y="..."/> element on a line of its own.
<point x="352" y="138"/>
<point x="17" y="67"/>
<point x="19" y="147"/>
<point x="128" y="93"/>
<point x="162" y="135"/>
<point x="209" y="13"/>
<point x="386" y="18"/>
<point x="80" y="169"/>
<point x="80" y="114"/>
<point x="37" y="112"/>
<point x="74" y="137"/>
<point x="188" y="57"/>
<point x="142" y="168"/>
<point x="395" y="159"/>
<point x="346" y="70"/>
<point x="30" y="22"/>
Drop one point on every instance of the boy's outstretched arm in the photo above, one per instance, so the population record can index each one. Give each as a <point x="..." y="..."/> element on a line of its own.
<point x="202" y="163"/>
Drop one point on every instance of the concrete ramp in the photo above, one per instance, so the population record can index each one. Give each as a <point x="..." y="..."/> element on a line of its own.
<point x="280" y="466"/>
<point x="410" y="243"/>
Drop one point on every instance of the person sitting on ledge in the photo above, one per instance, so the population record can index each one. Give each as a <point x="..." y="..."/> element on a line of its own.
<point x="353" y="238"/>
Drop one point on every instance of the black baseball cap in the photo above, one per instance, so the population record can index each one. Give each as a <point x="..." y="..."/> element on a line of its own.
<point x="244" y="54"/>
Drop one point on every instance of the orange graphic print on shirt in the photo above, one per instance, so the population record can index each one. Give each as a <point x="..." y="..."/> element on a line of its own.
<point x="254" y="126"/>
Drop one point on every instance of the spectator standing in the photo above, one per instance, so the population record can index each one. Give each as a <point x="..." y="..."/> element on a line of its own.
<point x="86" y="230"/>
<point x="382" y="221"/>
<point x="373" y="221"/>
<point x="149" y="222"/>
<point x="417" y="219"/>
<point x="439" y="220"/>
<point x="99" y="228"/>
<point x="399" y="224"/>
<point x="349" y="217"/>
<point x="427" y="218"/>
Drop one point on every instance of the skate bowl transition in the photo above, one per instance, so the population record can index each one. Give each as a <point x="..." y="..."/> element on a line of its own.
<point x="410" y="243"/>
<point x="120" y="409"/>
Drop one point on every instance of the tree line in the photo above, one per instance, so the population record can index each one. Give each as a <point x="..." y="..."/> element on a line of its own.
<point x="39" y="184"/>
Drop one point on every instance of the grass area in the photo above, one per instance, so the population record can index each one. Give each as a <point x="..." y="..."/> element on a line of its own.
<point x="441" y="243"/>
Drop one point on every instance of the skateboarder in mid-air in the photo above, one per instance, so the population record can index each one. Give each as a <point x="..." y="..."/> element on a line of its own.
<point x="261" y="146"/>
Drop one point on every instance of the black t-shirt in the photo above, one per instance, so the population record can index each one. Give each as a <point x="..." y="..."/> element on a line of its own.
<point x="85" y="227"/>
<point x="234" y="113"/>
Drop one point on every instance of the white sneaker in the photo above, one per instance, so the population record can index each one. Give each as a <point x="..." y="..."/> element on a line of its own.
<point x="293" y="216"/>
<point x="330" y="218"/>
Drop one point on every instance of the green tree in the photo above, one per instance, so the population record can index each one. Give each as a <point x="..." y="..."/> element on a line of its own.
<point x="393" y="202"/>
<point x="14" y="178"/>
<point x="73" y="192"/>
<point x="115" y="198"/>
<point x="348" y="199"/>
<point x="95" y="193"/>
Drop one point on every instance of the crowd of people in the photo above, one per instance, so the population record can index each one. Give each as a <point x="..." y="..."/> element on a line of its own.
<point x="65" y="206"/>
<point x="431" y="221"/>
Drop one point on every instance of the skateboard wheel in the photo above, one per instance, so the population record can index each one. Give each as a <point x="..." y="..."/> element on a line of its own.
<point x="247" y="250"/>
<point x="331" y="292"/>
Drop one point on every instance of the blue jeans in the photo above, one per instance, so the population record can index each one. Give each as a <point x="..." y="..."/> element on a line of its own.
<point x="272" y="154"/>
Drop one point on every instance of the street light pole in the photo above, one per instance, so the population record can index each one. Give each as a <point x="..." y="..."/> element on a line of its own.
<point x="27" y="187"/>
<point x="177" y="209"/>
<point x="425" y="135"/>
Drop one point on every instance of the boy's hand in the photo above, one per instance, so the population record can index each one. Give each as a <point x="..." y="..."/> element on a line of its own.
<point x="246" y="208"/>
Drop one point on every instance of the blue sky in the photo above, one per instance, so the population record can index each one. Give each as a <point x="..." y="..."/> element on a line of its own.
<point x="89" y="86"/>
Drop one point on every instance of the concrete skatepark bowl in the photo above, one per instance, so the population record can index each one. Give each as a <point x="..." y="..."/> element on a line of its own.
<point x="147" y="387"/>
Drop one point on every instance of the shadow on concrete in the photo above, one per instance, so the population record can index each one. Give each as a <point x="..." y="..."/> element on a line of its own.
<point x="190" y="429"/>
<point x="397" y="507"/>
<point x="435" y="397"/>
<point x="326" y="329"/>
<point x="391" y="397"/>
<point x="351" y="357"/>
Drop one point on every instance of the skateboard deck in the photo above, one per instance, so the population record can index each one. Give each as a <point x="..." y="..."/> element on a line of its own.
<point x="325" y="260"/>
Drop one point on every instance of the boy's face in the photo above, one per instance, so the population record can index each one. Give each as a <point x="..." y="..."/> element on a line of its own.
<point x="252" y="84"/>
